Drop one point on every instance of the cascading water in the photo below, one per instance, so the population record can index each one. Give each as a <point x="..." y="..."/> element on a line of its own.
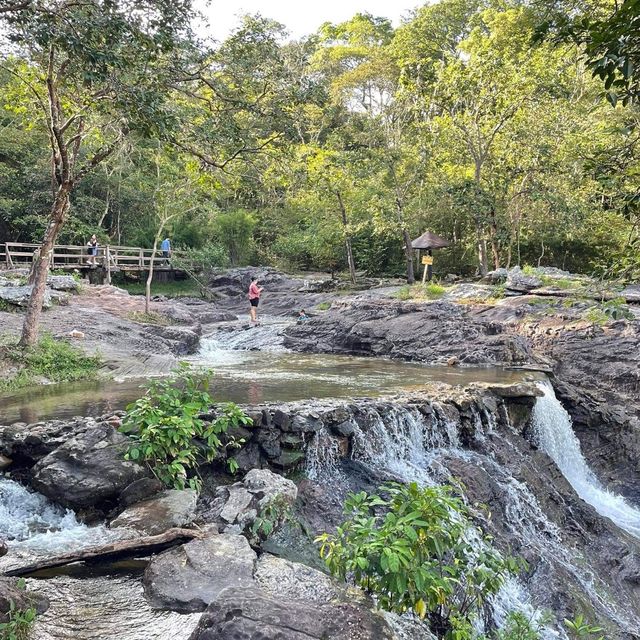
<point x="80" y="609"/>
<point x="422" y="446"/>
<point x="410" y="446"/>
<point x="32" y="525"/>
<point x="554" y="434"/>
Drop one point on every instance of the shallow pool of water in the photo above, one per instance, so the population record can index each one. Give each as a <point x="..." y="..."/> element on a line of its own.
<point x="254" y="377"/>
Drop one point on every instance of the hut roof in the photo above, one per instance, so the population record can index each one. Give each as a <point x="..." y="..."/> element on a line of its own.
<point x="429" y="240"/>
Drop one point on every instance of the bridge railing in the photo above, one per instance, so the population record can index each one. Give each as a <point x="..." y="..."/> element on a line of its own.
<point x="21" y="254"/>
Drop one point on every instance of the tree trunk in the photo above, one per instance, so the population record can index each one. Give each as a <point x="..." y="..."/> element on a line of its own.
<point x="40" y="270"/>
<point x="406" y="241"/>
<point x="408" y="251"/>
<point x="495" y="251"/>
<point x="347" y="238"/>
<point x="482" y="255"/>
<point x="147" y="298"/>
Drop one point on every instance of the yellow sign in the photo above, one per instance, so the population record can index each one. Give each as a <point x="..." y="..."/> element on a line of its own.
<point x="427" y="259"/>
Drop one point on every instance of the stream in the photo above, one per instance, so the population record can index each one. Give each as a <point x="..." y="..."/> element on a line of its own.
<point x="92" y="605"/>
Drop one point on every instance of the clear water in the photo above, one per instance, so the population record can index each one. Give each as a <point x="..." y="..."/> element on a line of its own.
<point x="247" y="376"/>
<point x="554" y="434"/>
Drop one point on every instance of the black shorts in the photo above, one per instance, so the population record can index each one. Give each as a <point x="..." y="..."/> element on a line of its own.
<point x="254" y="302"/>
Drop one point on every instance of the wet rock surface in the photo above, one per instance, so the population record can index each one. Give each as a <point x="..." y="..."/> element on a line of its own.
<point x="190" y="577"/>
<point x="87" y="471"/>
<point x="245" y="614"/>
<point x="156" y="515"/>
<point x="431" y="333"/>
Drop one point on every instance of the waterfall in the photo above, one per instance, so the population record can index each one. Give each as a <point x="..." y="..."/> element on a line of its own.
<point x="553" y="430"/>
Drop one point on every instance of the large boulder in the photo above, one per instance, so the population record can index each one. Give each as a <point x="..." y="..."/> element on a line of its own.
<point x="87" y="471"/>
<point x="182" y="341"/>
<point x="63" y="283"/>
<point x="518" y="282"/>
<point x="11" y="592"/>
<point x="249" y="614"/>
<point x="19" y="296"/>
<point x="158" y="514"/>
<point x="28" y="443"/>
<point x="188" y="578"/>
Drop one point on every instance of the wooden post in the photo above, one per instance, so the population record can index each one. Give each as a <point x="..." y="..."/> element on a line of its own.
<point x="430" y="266"/>
<point x="141" y="257"/>
<point x="427" y="261"/>
<point x="108" y="258"/>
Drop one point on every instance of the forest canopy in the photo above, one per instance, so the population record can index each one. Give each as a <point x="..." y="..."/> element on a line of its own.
<point x="509" y="128"/>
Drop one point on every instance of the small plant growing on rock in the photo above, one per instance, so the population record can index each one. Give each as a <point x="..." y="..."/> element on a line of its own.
<point x="417" y="550"/>
<point x="168" y="433"/>
<point x="19" y="624"/>
<point x="580" y="629"/>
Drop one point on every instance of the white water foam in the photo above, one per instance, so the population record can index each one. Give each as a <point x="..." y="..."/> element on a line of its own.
<point x="33" y="525"/>
<point x="554" y="434"/>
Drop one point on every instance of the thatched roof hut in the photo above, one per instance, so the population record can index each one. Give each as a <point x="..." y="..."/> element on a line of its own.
<point x="429" y="241"/>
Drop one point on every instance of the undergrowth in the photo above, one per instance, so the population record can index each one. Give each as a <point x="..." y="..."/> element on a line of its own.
<point x="53" y="359"/>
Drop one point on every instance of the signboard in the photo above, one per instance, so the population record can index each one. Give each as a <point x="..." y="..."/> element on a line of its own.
<point x="427" y="259"/>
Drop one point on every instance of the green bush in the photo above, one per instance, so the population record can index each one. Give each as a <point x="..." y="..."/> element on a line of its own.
<point x="20" y="621"/>
<point x="170" y="437"/>
<point x="580" y="629"/>
<point x="56" y="360"/>
<point x="417" y="550"/>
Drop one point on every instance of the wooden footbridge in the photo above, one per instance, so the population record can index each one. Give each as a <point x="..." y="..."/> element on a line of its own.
<point x="109" y="258"/>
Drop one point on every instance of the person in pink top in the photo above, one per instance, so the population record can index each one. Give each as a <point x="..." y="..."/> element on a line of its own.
<point x="254" y="298"/>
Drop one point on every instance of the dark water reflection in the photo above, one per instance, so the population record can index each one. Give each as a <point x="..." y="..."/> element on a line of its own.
<point x="254" y="377"/>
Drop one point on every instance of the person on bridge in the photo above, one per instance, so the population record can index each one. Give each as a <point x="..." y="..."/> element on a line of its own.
<point x="254" y="298"/>
<point x="92" y="250"/>
<point x="165" y="247"/>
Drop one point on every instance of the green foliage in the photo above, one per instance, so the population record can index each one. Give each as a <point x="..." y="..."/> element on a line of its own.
<point x="323" y="306"/>
<point x="417" y="550"/>
<point x="170" y="437"/>
<point x="53" y="359"/>
<point x="580" y="629"/>
<point x="519" y="627"/>
<point x="431" y="291"/>
<point x="20" y="623"/>
<point x="234" y="231"/>
<point x="273" y="515"/>
<point x="615" y="309"/>
<point x="211" y="256"/>
<point x="171" y="289"/>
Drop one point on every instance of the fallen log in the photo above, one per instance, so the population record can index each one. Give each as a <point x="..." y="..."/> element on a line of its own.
<point x="146" y="545"/>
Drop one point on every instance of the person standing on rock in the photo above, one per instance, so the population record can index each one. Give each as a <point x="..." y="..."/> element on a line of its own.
<point x="254" y="298"/>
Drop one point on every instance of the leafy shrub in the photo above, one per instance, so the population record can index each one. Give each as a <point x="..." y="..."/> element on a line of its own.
<point x="580" y="629"/>
<point x="204" y="259"/>
<point x="20" y="621"/>
<point x="56" y="360"/>
<point x="417" y="550"/>
<point x="323" y="306"/>
<point x="519" y="627"/>
<point x="168" y="433"/>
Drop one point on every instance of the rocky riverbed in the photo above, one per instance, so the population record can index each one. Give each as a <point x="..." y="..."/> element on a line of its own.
<point x="562" y="486"/>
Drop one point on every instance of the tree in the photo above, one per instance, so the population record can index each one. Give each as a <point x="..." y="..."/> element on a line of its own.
<point x="97" y="70"/>
<point x="609" y="36"/>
